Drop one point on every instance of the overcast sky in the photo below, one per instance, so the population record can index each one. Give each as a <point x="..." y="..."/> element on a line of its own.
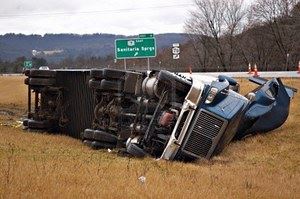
<point x="127" y="17"/>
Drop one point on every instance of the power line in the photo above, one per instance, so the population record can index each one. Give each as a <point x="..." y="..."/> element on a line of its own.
<point x="95" y="11"/>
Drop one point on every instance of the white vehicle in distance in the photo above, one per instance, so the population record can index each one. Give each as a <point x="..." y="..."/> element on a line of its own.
<point x="43" y="68"/>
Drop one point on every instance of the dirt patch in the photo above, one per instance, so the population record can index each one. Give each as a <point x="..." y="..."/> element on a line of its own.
<point x="6" y="112"/>
<point x="12" y="116"/>
<point x="12" y="111"/>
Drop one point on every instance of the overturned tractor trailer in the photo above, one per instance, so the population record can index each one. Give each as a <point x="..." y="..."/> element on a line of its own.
<point x="153" y="113"/>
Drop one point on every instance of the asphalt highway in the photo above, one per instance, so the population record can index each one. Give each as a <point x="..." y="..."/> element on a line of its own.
<point x="293" y="74"/>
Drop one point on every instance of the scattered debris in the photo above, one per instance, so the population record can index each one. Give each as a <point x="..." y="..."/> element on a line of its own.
<point x="6" y="112"/>
<point x="13" y="124"/>
<point x="142" y="179"/>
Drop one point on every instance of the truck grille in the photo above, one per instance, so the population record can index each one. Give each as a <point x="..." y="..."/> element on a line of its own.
<point x="201" y="137"/>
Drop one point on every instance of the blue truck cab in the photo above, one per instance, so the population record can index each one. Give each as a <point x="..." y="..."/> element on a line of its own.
<point x="208" y="121"/>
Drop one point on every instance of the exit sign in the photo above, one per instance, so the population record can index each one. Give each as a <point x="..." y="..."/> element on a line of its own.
<point x="135" y="48"/>
<point x="27" y="64"/>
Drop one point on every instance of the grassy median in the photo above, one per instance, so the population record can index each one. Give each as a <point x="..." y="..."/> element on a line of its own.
<point x="39" y="165"/>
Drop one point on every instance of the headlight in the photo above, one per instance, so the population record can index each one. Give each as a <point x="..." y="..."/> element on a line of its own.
<point x="211" y="95"/>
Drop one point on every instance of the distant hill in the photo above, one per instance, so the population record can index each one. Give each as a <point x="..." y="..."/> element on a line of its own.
<point x="55" y="47"/>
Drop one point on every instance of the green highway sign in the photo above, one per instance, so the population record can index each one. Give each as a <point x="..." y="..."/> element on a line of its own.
<point x="135" y="48"/>
<point x="27" y="64"/>
<point x="146" y="35"/>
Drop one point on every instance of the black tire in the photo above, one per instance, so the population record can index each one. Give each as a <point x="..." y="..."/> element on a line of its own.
<point x="27" y="72"/>
<point x="26" y="81"/>
<point x="112" y="85"/>
<point x="123" y="153"/>
<point x="113" y="73"/>
<point x="25" y="122"/>
<point x="33" y="124"/>
<point x="178" y="82"/>
<point x="94" y="84"/>
<point x="105" y="137"/>
<point x="135" y="150"/>
<point x="42" y="73"/>
<point x="102" y="145"/>
<point x="88" y="134"/>
<point x="87" y="143"/>
<point x="42" y="81"/>
<point x="97" y="73"/>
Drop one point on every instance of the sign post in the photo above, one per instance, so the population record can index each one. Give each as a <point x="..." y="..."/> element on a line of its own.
<point x="148" y="63"/>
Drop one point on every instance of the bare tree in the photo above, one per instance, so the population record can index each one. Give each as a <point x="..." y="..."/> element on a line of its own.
<point x="215" y="23"/>
<point x="275" y="14"/>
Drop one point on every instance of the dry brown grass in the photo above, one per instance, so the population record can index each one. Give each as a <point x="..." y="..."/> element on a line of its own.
<point x="12" y="90"/>
<point x="36" y="165"/>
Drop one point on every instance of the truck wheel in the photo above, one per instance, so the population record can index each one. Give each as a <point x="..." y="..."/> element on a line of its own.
<point x="112" y="85"/>
<point x="87" y="143"/>
<point x="25" y="122"/>
<point x="88" y="134"/>
<point x="33" y="124"/>
<point x="135" y="150"/>
<point x="41" y="81"/>
<point x="94" y="84"/>
<point x="42" y="73"/>
<point x="105" y="137"/>
<point x="102" y="145"/>
<point x="113" y="73"/>
<point x="26" y="81"/>
<point x="178" y="82"/>
<point x="27" y="72"/>
<point x="97" y="73"/>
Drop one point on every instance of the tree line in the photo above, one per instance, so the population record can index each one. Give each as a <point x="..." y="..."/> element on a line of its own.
<point x="230" y="35"/>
